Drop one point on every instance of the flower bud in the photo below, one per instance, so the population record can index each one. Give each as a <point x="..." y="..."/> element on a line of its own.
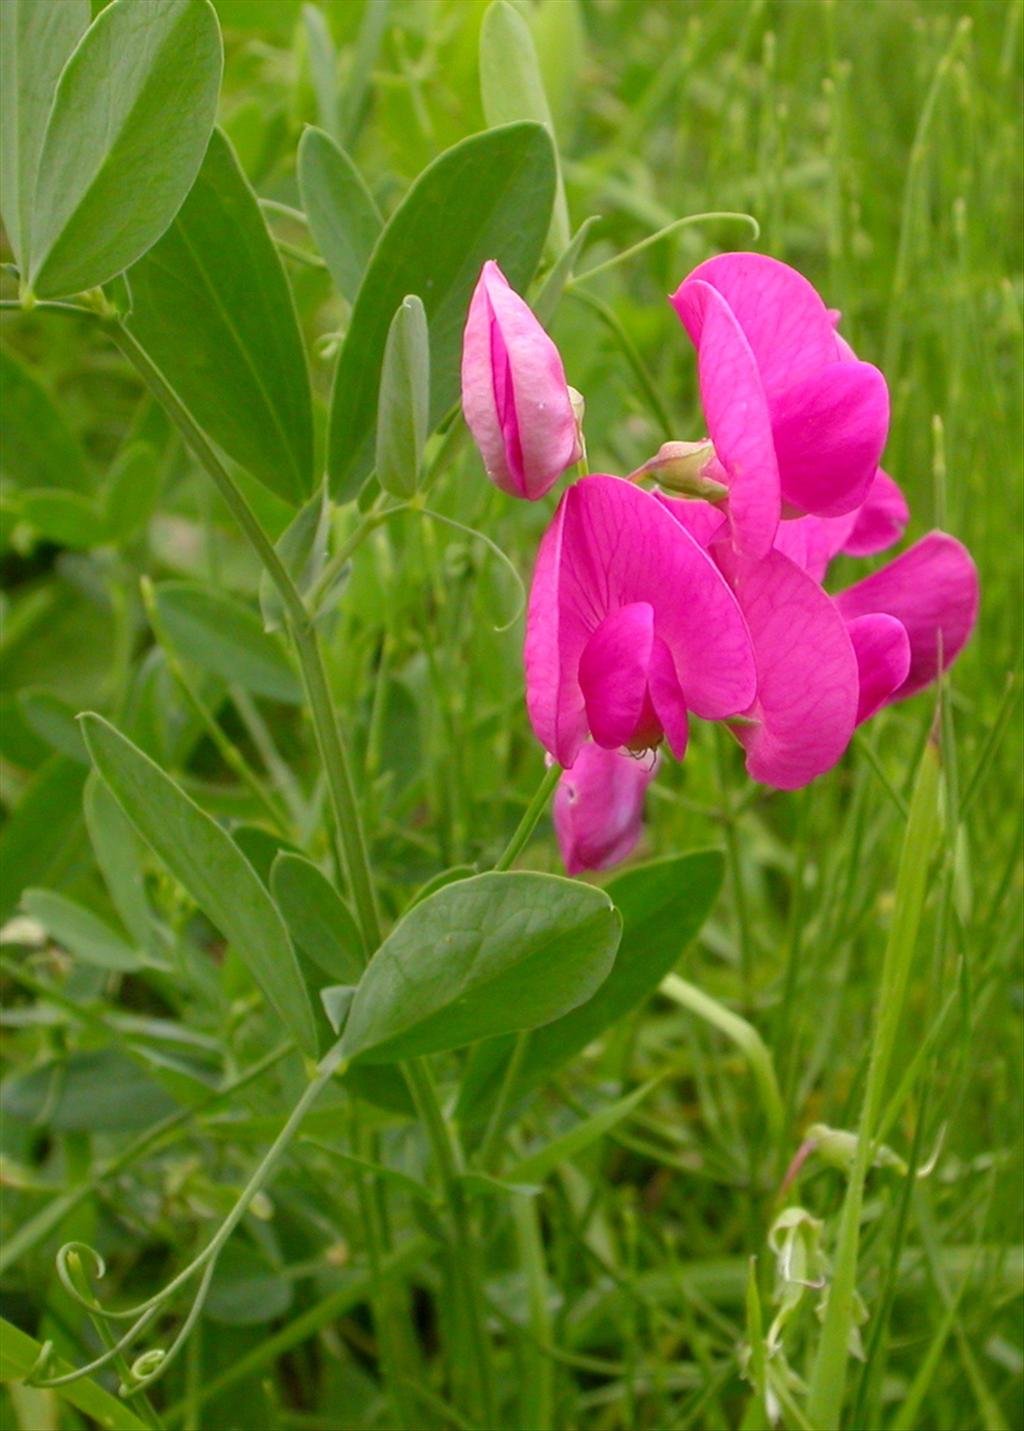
<point x="685" y="468"/>
<point x="514" y="394"/>
<point x="599" y="807"/>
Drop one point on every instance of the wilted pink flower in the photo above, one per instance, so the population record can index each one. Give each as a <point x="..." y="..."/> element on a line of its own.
<point x="599" y="806"/>
<point x="796" y="421"/>
<point x="514" y="393"/>
<point x="629" y="626"/>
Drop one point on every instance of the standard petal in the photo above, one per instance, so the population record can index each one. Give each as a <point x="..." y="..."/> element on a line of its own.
<point x="882" y="648"/>
<point x="737" y="415"/>
<point x="808" y="685"/>
<point x="553" y="696"/>
<point x="787" y="325"/>
<point x="881" y="520"/>
<point x="830" y="429"/>
<point x="613" y="674"/>
<point x="479" y="402"/>
<point x="703" y="520"/>
<point x="619" y="545"/>
<point x="537" y="416"/>
<point x="598" y="807"/>
<point x="932" y="588"/>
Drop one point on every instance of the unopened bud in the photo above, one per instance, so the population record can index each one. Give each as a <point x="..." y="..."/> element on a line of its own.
<point x="681" y="467"/>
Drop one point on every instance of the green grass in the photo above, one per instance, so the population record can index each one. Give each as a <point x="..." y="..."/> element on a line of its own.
<point x="878" y="144"/>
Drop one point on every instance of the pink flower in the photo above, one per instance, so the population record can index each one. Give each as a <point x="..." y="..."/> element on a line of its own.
<point x="629" y="626"/>
<point x="825" y="664"/>
<point x="514" y="393"/>
<point x="599" y="806"/>
<point x="796" y="421"/>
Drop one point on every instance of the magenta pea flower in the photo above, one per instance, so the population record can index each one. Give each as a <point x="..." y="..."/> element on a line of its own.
<point x="825" y="664"/>
<point x="630" y="625"/>
<point x="514" y="394"/>
<point x="797" y="423"/>
<point x="599" y="806"/>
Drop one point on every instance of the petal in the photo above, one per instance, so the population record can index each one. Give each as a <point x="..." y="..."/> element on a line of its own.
<point x="830" y="429"/>
<point x="932" y="588"/>
<point x="613" y="674"/>
<point x="538" y="419"/>
<point x="703" y="520"/>
<point x="881" y="520"/>
<point x="882" y="648"/>
<point x="786" y="324"/>
<point x="620" y="545"/>
<point x="667" y="698"/>
<point x="806" y="668"/>
<point x="553" y="696"/>
<point x="812" y="542"/>
<point x="737" y="415"/>
<point x="479" y="404"/>
<point x="598" y="807"/>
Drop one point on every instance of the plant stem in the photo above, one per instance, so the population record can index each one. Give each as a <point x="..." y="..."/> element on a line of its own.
<point x="531" y="815"/>
<point x="828" y="1378"/>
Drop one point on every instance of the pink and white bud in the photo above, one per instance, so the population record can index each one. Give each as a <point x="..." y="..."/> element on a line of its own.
<point x="599" y="807"/>
<point x="514" y="394"/>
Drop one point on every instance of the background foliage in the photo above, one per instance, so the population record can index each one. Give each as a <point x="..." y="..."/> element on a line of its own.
<point x="879" y="147"/>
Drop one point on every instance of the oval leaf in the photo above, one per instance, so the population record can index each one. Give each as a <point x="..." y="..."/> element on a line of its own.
<point x="207" y="862"/>
<point x="488" y="955"/>
<point x="81" y="932"/>
<point x="404" y="400"/>
<point x="663" y="904"/>
<point x="489" y="196"/>
<point x="213" y="309"/>
<point x="318" y="919"/>
<point x="223" y="636"/>
<point x="343" y="218"/>
<point x="37" y="450"/>
<point x="35" y="41"/>
<point x="130" y="122"/>
<point x="511" y="88"/>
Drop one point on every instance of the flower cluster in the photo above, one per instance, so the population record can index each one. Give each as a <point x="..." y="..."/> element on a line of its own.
<point x="705" y="595"/>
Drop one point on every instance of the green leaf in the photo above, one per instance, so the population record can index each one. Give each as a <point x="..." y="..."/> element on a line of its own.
<point x="119" y="854"/>
<point x="35" y="41"/>
<point x="81" y="932"/>
<point x="213" y="309"/>
<point x="401" y="1182"/>
<point x="224" y="636"/>
<point x="131" y="491"/>
<point x="662" y="904"/>
<point x="545" y="305"/>
<point x="488" y="955"/>
<point x="19" y="1353"/>
<point x="38" y="836"/>
<point x="404" y="400"/>
<point x="37" y="450"/>
<point x="323" y="67"/>
<point x="68" y="518"/>
<point x="204" y="859"/>
<point x="512" y="88"/>
<point x="343" y="218"/>
<point x="99" y="1090"/>
<point x="302" y="547"/>
<point x="53" y="719"/>
<point x="336" y="1000"/>
<point x="489" y="196"/>
<point x="246" y="1290"/>
<point x="539" y="1165"/>
<point x="318" y="919"/>
<point x="364" y="62"/>
<point x="130" y="122"/>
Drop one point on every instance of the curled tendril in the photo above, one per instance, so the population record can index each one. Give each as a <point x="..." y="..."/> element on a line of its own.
<point x="83" y="1252"/>
<point x="41" y="1363"/>
<point x="101" y="1361"/>
<point x="151" y="1365"/>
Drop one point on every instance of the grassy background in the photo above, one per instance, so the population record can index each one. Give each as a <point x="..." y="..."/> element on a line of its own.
<point x="879" y="146"/>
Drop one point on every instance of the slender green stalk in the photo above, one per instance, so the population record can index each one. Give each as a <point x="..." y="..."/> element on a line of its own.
<point x="828" y="1378"/>
<point x="496" y="1122"/>
<point x="684" y="223"/>
<point x="531" y="815"/>
<point x="537" y="1402"/>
